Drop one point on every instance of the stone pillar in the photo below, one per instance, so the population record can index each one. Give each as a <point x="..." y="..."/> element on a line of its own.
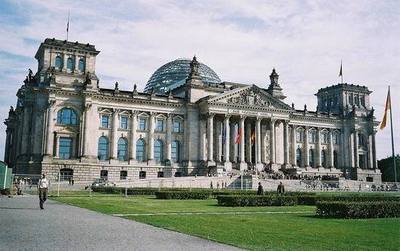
<point x="286" y="143"/>
<point x="331" y="149"/>
<point x="203" y="140"/>
<point x="318" y="152"/>
<point x="219" y="140"/>
<point x="57" y="146"/>
<point x="243" y="164"/>
<point x="132" y="147"/>
<point x="248" y="144"/>
<point x="355" y="150"/>
<point x="85" y="133"/>
<point x="50" y="129"/>
<point x="374" y="161"/>
<point x="210" y="137"/>
<point x="294" y="162"/>
<point x="233" y="145"/>
<point x="306" y="153"/>
<point x="114" y="140"/>
<point x="258" y="141"/>
<point x="272" y="141"/>
<point x="228" y="164"/>
<point x="169" y="137"/>
<point x="150" y="150"/>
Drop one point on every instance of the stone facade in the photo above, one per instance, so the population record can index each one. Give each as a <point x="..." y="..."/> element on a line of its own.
<point x="64" y="121"/>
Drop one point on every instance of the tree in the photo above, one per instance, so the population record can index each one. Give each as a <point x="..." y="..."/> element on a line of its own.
<point x="386" y="167"/>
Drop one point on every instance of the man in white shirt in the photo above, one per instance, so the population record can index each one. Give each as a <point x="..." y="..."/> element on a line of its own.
<point x="43" y="186"/>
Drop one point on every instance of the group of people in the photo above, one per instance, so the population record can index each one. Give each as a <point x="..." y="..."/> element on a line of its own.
<point x="223" y="185"/>
<point x="280" y="189"/>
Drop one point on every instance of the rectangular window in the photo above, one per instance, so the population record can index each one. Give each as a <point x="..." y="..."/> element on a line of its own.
<point x="123" y="175"/>
<point x="160" y="125"/>
<point x="123" y="122"/>
<point x="142" y="124"/>
<point x="65" y="148"/>
<point x="105" y="121"/>
<point x="142" y="175"/>
<point x="177" y="126"/>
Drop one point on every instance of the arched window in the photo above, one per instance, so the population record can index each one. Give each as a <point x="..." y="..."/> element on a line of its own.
<point x="103" y="148"/>
<point x="59" y="63"/>
<point x="67" y="116"/>
<point x="335" y="159"/>
<point x="140" y="150"/>
<point x="175" y="151"/>
<point x="311" y="157"/>
<point x="81" y="65"/>
<point x="122" y="149"/>
<point x="323" y="158"/>
<point x="158" y="150"/>
<point x="298" y="157"/>
<point x="70" y="64"/>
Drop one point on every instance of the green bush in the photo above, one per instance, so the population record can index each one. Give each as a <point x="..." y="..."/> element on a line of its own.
<point x="5" y="191"/>
<point x="306" y="200"/>
<point x="183" y="195"/>
<point x="256" y="200"/>
<point x="350" y="210"/>
<point x="357" y="198"/>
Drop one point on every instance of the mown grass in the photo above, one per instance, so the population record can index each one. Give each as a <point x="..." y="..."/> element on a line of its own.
<point x="300" y="231"/>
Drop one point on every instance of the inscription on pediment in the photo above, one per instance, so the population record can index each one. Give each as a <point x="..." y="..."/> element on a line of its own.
<point x="249" y="97"/>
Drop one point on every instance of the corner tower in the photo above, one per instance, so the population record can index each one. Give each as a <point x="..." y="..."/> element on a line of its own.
<point x="65" y="63"/>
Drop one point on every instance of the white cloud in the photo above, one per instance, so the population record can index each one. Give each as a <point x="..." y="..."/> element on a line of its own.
<point x="240" y="40"/>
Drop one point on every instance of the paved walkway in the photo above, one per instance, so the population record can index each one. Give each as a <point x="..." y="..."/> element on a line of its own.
<point x="23" y="226"/>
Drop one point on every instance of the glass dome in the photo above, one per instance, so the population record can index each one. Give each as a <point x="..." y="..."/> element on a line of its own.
<point x="175" y="73"/>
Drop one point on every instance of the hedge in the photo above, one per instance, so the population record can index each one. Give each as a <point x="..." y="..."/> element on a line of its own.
<point x="183" y="195"/>
<point x="256" y="200"/>
<point x="5" y="191"/>
<point x="355" y="210"/>
<point x="355" y="198"/>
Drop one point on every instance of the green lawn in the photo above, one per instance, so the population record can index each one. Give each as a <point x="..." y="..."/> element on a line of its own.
<point x="257" y="231"/>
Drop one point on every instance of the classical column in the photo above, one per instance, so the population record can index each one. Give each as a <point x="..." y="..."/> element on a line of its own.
<point x="331" y="149"/>
<point x="132" y="147"/>
<point x="210" y="137"/>
<point x="242" y="143"/>
<point x="272" y="141"/>
<point x="248" y="144"/>
<point x="203" y="140"/>
<point x="233" y="146"/>
<point x="50" y="128"/>
<point x="374" y="161"/>
<point x="294" y="159"/>
<point x="219" y="138"/>
<point x="258" y="141"/>
<point x="86" y="134"/>
<point x="318" y="153"/>
<point x="151" y="138"/>
<point x="169" y="136"/>
<point x="355" y="150"/>
<point x="227" y="139"/>
<point x="286" y="143"/>
<point x="114" y="140"/>
<point x="306" y="152"/>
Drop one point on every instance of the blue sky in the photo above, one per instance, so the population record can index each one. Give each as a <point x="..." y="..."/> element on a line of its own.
<point x="241" y="40"/>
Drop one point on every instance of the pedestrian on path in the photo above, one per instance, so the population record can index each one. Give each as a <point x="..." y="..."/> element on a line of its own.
<point x="281" y="188"/>
<point x="43" y="186"/>
<point x="260" y="190"/>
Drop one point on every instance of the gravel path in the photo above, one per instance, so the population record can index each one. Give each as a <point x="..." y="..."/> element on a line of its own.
<point x="23" y="226"/>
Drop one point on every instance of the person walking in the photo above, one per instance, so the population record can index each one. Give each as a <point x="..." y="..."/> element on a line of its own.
<point x="43" y="186"/>
<point x="260" y="190"/>
<point x="281" y="188"/>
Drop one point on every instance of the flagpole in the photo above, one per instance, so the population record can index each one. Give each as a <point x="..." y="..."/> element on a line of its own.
<point x="68" y="25"/>
<point x="341" y="70"/>
<point x="391" y="131"/>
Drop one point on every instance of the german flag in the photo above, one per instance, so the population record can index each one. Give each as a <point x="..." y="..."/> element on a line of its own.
<point x="253" y="137"/>
<point x="388" y="106"/>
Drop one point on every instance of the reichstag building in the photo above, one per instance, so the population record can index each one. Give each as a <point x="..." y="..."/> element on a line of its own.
<point x="185" y="122"/>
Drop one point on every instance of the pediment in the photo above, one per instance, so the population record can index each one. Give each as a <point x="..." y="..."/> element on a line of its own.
<point x="251" y="96"/>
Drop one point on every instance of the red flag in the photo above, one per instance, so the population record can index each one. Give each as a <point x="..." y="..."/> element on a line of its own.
<point x="238" y="136"/>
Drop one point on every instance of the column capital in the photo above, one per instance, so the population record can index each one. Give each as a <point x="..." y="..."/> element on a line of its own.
<point x="170" y="115"/>
<point x="227" y="117"/>
<point x="211" y="114"/>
